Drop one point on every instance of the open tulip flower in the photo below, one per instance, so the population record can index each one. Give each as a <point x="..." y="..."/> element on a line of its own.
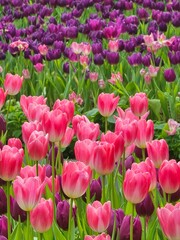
<point x="107" y="104"/>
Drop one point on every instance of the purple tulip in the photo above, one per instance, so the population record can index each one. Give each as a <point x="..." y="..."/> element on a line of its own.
<point x="3" y="226"/>
<point x="125" y="228"/>
<point x="118" y="215"/>
<point x="3" y="202"/>
<point x="112" y="57"/>
<point x="146" y="207"/>
<point x="16" y="212"/>
<point x="169" y="75"/>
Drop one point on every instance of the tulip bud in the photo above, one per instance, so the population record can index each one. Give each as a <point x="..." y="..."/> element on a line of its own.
<point x="116" y="218"/>
<point x="146" y="207"/>
<point x="3" y="226"/>
<point x="125" y="228"/>
<point x="16" y="211"/>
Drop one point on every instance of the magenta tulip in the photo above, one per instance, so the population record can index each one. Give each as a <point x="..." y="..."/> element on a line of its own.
<point x="13" y="84"/>
<point x="107" y="104"/>
<point x="139" y="104"/>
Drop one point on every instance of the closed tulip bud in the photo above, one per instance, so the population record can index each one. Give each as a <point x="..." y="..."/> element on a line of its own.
<point x="168" y="217"/>
<point x="102" y="236"/>
<point x="55" y="124"/>
<point x="98" y="215"/>
<point x="62" y="214"/>
<point x="15" y="142"/>
<point x="48" y="181"/>
<point x="76" y="177"/>
<point x="35" y="111"/>
<point x="104" y="158"/>
<point x="169" y="75"/>
<point x="107" y="104"/>
<point x="43" y="211"/>
<point x="96" y="189"/>
<point x="28" y="128"/>
<point x="77" y="119"/>
<point x="37" y="145"/>
<point x="2" y="97"/>
<point x="65" y="106"/>
<point x="28" y="192"/>
<point x="16" y="212"/>
<point x="30" y="171"/>
<point x="3" y="202"/>
<point x="116" y="218"/>
<point x="146" y="207"/>
<point x="136" y="186"/>
<point x="3" y="226"/>
<point x="168" y="174"/>
<point x="125" y="228"/>
<point x="11" y="159"/>
<point x="158" y="151"/>
<point x="13" y="84"/>
<point x="139" y="104"/>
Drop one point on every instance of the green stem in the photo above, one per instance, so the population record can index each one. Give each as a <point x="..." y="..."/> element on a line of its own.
<point x="169" y="198"/>
<point x="114" y="227"/>
<point x="88" y="195"/>
<point x="117" y="170"/>
<point x="144" y="221"/>
<point x="8" y="210"/>
<point x="123" y="164"/>
<point x="143" y="154"/>
<point x="9" y="104"/>
<point x="37" y="168"/>
<point x="28" y="225"/>
<point x="40" y="236"/>
<point x="131" y="223"/>
<point x="59" y="157"/>
<point x="105" y="125"/>
<point x="103" y="188"/>
<point x="70" y="216"/>
<point x="53" y="175"/>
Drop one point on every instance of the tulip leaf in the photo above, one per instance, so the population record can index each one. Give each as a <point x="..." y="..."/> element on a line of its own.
<point x="57" y="232"/>
<point x="48" y="235"/>
<point x="92" y="112"/>
<point x="17" y="233"/>
<point x="155" y="106"/>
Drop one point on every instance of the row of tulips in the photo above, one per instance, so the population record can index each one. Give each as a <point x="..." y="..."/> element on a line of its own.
<point x="97" y="155"/>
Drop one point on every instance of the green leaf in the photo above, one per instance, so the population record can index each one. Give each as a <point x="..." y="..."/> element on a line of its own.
<point x="92" y="112"/>
<point x="57" y="232"/>
<point x="17" y="233"/>
<point x="155" y="106"/>
<point x="48" y="235"/>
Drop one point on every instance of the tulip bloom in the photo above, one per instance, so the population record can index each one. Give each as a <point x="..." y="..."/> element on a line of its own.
<point x="30" y="171"/>
<point x="136" y="186"/>
<point x="41" y="217"/>
<point x="28" y="192"/>
<point x="169" y="218"/>
<point x="87" y="130"/>
<point x="117" y="140"/>
<point x="55" y="124"/>
<point x="36" y="111"/>
<point x="102" y="236"/>
<point x="125" y="228"/>
<point x="139" y="104"/>
<point x="13" y="84"/>
<point x="98" y="215"/>
<point x="145" y="132"/>
<point x="77" y="119"/>
<point x="169" y="173"/>
<point x="158" y="151"/>
<point x="76" y="177"/>
<point x="15" y="142"/>
<point x="2" y="97"/>
<point x="37" y="145"/>
<point x="48" y="181"/>
<point x="104" y="158"/>
<point x="65" y="106"/>
<point x="67" y="138"/>
<point x="28" y="128"/>
<point x="107" y="104"/>
<point x="11" y="159"/>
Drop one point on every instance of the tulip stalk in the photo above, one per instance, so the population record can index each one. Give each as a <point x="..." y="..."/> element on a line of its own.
<point x="28" y="226"/>
<point x="8" y="210"/>
<point x="131" y="223"/>
<point x="144" y="233"/>
<point x="37" y="168"/>
<point x="103" y="188"/>
<point x="70" y="217"/>
<point x="53" y="175"/>
<point x="105" y="124"/>
<point x="143" y="154"/>
<point x="123" y="164"/>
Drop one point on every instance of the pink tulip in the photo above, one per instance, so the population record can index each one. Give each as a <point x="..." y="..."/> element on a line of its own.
<point x="98" y="215"/>
<point x="76" y="47"/>
<point x="55" y="124"/>
<point x="56" y="184"/>
<point x="173" y="126"/>
<point x="67" y="138"/>
<point x="41" y="217"/>
<point x="77" y="119"/>
<point x="113" y="45"/>
<point x="76" y="177"/>
<point x="127" y="114"/>
<point x="104" y="158"/>
<point x="28" y="192"/>
<point x="107" y="104"/>
<point x="15" y="142"/>
<point x="128" y="129"/>
<point x="93" y="76"/>
<point x="86" y="48"/>
<point x="84" y="151"/>
<point x="147" y="166"/>
<point x="136" y="186"/>
<point x="87" y="130"/>
<point x="145" y="132"/>
<point x="139" y="104"/>
<point x="21" y="45"/>
<point x="39" y="67"/>
<point x="43" y="49"/>
<point x="129" y="150"/>
<point x="118" y="142"/>
<point x="26" y="74"/>
<point x="102" y="236"/>
<point x="30" y="171"/>
<point x="169" y="173"/>
<point x="65" y="106"/>
<point x="36" y="111"/>
<point x="169" y="218"/>
<point x="28" y="128"/>
<point x="2" y="97"/>
<point x="26" y="100"/>
<point x="37" y="145"/>
<point x="158" y="151"/>
<point x="13" y="84"/>
<point x="11" y="159"/>
<point x="84" y="60"/>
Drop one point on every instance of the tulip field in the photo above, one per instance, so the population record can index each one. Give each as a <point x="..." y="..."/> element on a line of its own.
<point x="90" y="120"/>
